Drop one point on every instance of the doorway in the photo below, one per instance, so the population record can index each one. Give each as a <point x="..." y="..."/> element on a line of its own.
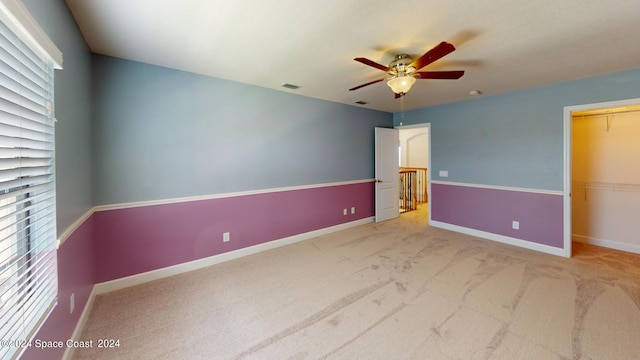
<point x="602" y="180"/>
<point x="414" y="158"/>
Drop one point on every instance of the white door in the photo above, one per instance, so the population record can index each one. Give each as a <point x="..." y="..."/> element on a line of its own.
<point x="387" y="202"/>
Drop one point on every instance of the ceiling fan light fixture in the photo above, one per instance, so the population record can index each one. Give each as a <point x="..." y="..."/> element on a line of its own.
<point x="401" y="84"/>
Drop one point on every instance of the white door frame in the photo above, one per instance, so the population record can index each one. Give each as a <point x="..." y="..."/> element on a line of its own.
<point x="568" y="110"/>
<point x="428" y="126"/>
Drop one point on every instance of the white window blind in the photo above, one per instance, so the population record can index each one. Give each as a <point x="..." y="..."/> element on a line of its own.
<point x="28" y="268"/>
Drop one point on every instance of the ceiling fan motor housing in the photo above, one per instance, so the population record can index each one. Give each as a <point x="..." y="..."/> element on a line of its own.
<point x="401" y="66"/>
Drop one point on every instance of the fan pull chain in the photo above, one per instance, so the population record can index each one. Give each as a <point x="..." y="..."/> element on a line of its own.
<point x="401" y="110"/>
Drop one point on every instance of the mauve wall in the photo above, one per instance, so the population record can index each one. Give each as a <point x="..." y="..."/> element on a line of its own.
<point x="493" y="210"/>
<point x="163" y="134"/>
<point x="135" y="240"/>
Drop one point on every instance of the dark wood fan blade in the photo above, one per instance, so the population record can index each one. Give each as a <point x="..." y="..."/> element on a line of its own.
<point x="367" y="84"/>
<point x="457" y="74"/>
<point x="372" y="63"/>
<point x="432" y="55"/>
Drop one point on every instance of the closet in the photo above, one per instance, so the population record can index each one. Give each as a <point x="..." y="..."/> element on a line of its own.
<point x="605" y="163"/>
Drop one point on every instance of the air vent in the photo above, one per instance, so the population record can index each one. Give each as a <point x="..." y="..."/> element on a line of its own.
<point x="290" y="86"/>
<point x="360" y="102"/>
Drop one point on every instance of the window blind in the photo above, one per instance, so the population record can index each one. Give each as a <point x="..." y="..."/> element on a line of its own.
<point x="28" y="267"/>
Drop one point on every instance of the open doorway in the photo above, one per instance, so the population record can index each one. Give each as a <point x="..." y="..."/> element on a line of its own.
<point x="414" y="160"/>
<point x="604" y="179"/>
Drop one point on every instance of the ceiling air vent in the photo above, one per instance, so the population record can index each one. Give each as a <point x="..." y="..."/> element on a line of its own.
<point x="290" y="86"/>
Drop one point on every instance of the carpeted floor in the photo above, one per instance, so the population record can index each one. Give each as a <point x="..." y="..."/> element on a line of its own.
<point x="393" y="290"/>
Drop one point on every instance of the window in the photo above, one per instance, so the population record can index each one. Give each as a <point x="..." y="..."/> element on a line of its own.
<point x="28" y="268"/>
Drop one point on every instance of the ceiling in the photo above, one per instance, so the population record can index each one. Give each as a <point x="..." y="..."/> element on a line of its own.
<point x="503" y="45"/>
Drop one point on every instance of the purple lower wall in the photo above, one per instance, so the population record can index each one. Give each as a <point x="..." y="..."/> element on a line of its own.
<point x="76" y="275"/>
<point x="493" y="210"/>
<point x="117" y="243"/>
<point x="136" y="240"/>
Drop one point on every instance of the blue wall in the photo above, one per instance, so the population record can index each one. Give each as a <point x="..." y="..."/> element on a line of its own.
<point x="162" y="133"/>
<point x="514" y="139"/>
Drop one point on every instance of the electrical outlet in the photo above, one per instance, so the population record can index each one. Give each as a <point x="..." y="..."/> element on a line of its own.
<point x="353" y="210"/>
<point x="515" y="225"/>
<point x="72" y="303"/>
<point x="226" y="237"/>
<point x="443" y="173"/>
<point x="344" y="211"/>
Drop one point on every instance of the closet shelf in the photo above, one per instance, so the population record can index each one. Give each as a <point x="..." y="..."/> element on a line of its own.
<point x="606" y="186"/>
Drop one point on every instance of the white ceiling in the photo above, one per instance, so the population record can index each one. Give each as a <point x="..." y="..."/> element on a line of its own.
<point x="503" y="45"/>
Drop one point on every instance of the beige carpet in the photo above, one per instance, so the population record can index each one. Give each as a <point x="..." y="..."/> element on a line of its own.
<point x="393" y="290"/>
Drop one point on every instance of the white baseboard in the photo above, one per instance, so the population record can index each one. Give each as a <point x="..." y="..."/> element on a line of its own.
<point x="633" y="248"/>
<point x="137" y="279"/>
<point x="77" y="332"/>
<point x="503" y="239"/>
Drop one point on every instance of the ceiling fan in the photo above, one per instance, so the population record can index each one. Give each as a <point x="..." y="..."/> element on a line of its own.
<point x="403" y="71"/>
